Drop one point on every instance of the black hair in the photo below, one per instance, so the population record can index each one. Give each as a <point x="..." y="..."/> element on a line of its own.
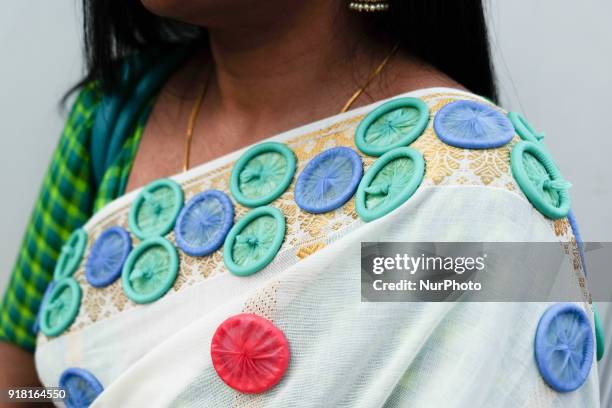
<point x="449" y="35"/>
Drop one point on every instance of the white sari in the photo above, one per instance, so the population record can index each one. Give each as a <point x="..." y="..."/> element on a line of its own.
<point x="344" y="352"/>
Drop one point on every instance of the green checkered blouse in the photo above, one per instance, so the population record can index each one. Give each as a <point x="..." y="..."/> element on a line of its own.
<point x="68" y="198"/>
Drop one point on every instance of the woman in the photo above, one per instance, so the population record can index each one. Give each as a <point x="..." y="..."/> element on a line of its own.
<point x="147" y="298"/>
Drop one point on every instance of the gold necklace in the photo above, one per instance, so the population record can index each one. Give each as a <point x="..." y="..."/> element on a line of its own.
<point x="198" y="104"/>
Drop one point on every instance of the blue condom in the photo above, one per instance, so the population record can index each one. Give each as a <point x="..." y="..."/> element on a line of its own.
<point x="107" y="256"/>
<point x="564" y="347"/>
<point x="599" y="335"/>
<point x="574" y="224"/>
<point x="36" y="325"/>
<point x="81" y="387"/>
<point x="204" y="222"/>
<point x="328" y="180"/>
<point x="472" y="125"/>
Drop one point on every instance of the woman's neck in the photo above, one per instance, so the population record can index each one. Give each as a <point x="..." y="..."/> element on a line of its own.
<point x="272" y="71"/>
<point x="305" y="60"/>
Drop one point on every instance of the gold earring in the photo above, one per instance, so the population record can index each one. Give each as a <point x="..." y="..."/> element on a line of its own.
<point x="369" y="5"/>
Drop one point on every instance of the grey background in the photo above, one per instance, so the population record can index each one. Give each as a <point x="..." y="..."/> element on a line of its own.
<point x="40" y="49"/>
<point x="553" y="58"/>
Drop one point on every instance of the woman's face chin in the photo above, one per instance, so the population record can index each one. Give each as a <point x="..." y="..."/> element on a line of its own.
<point x="206" y="12"/>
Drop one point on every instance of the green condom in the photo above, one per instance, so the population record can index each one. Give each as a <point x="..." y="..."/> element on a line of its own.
<point x="150" y="270"/>
<point x="389" y="182"/>
<point x="154" y="211"/>
<point x="254" y="241"/>
<point x="70" y="255"/>
<point x="599" y="334"/>
<point x="393" y="124"/>
<point x="262" y="174"/>
<point x="540" y="180"/>
<point x="60" y="307"/>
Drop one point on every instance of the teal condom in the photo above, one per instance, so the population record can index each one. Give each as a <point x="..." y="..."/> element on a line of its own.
<point x="396" y="123"/>
<point x="154" y="211"/>
<point x="254" y="241"/>
<point x="599" y="334"/>
<point x="540" y="179"/>
<point x="60" y="307"/>
<point x="524" y="129"/>
<point x="262" y="174"/>
<point x="150" y="270"/>
<point x="70" y="255"/>
<point x="391" y="180"/>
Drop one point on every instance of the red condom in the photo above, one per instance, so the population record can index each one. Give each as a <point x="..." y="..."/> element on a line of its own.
<point x="249" y="353"/>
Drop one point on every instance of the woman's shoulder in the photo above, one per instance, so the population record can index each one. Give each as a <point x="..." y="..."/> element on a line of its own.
<point x="469" y="143"/>
<point x="84" y="102"/>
